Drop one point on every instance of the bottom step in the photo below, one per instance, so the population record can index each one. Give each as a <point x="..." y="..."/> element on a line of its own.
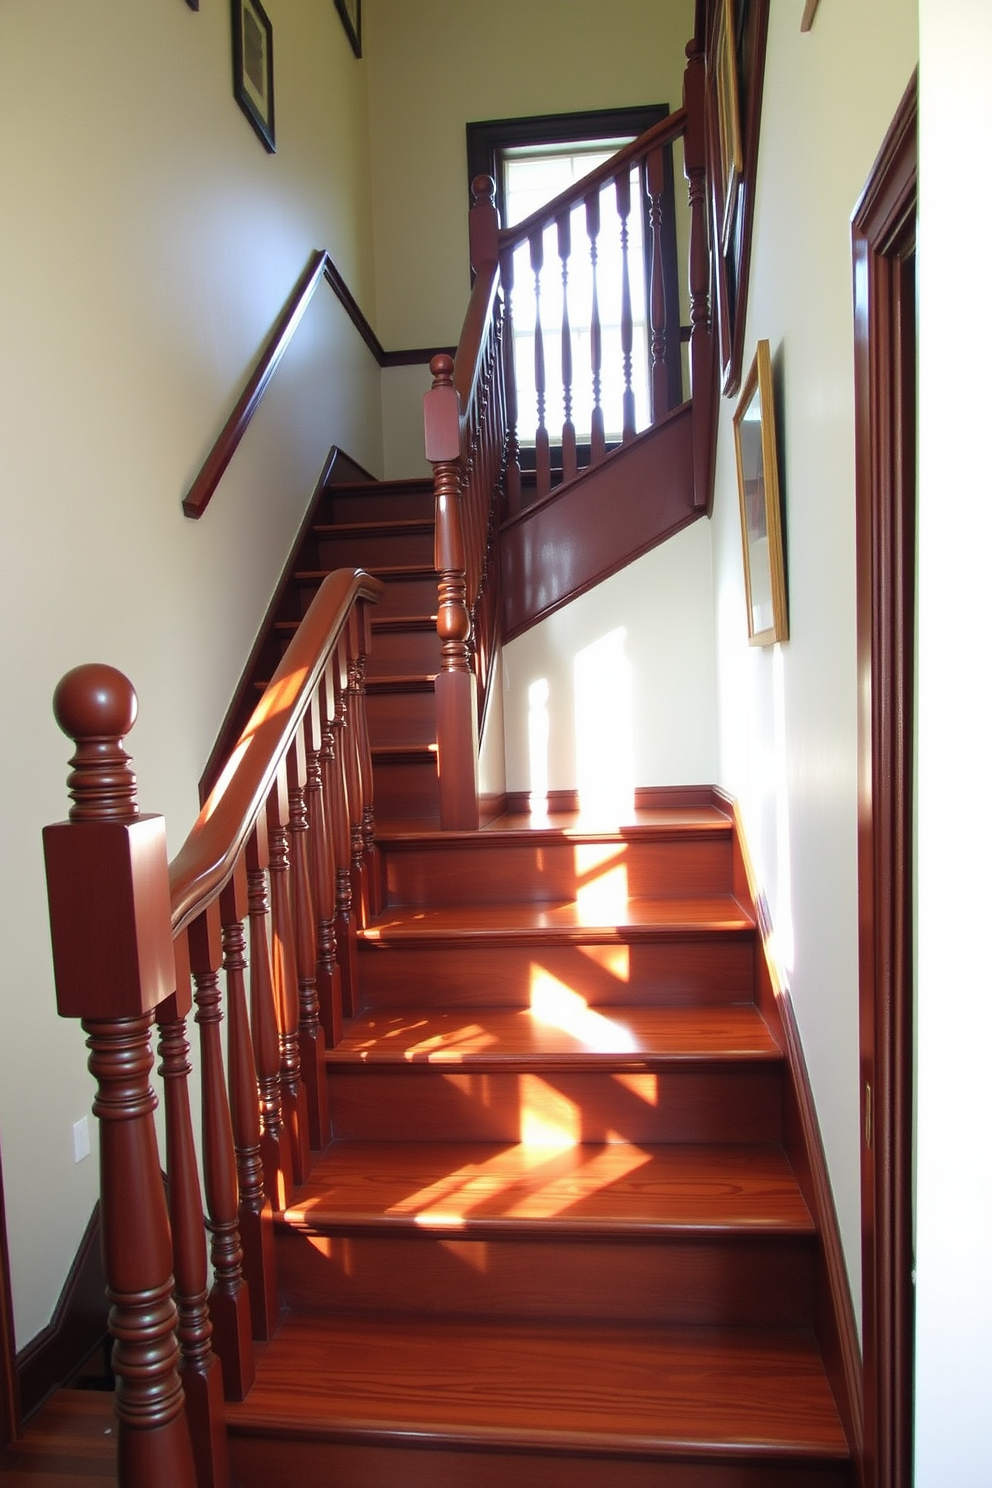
<point x="443" y="1401"/>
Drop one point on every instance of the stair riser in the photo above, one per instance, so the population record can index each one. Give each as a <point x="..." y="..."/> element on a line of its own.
<point x="421" y="1103"/>
<point x="370" y="549"/>
<point x="398" y="653"/>
<point x="410" y="596"/>
<point x="375" y="506"/>
<point x="405" y="789"/>
<point x="661" y="973"/>
<point x="732" y="1281"/>
<point x="402" y="717"/>
<point x="505" y="871"/>
<point x="259" y="1462"/>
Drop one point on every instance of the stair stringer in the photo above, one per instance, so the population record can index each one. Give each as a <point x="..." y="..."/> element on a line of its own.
<point x="595" y="524"/>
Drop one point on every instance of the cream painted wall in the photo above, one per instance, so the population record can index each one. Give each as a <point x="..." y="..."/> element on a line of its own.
<point x="954" y="875"/>
<point x="647" y="637"/>
<point x="787" y="716"/>
<point x="437" y="66"/>
<point x="148" y="245"/>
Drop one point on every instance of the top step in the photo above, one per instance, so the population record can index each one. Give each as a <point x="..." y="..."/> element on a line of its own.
<point x="378" y="501"/>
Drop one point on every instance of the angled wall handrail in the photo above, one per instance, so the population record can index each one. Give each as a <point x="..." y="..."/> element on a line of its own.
<point x="319" y="266"/>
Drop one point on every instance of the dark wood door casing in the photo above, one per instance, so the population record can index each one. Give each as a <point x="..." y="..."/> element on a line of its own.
<point x="884" y="240"/>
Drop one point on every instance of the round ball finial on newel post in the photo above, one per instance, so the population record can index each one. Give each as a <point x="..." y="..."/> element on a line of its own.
<point x="96" y="705"/>
<point x="111" y="925"/>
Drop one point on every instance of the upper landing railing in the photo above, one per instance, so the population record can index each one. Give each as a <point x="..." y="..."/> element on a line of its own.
<point x="552" y="327"/>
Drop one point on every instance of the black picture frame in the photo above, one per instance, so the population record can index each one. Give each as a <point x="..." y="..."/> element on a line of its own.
<point x="350" y="12"/>
<point x="251" y="32"/>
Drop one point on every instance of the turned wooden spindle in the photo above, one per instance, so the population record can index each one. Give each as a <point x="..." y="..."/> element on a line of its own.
<point x="513" y="487"/>
<point x="229" y="1304"/>
<point x="276" y="1148"/>
<point x="319" y="751"/>
<point x="334" y="695"/>
<point x="626" y="311"/>
<point x="568" y="455"/>
<point x="362" y="623"/>
<point x="295" y="1112"/>
<point x="597" y="437"/>
<point x="454" y="685"/>
<point x="201" y="1372"/>
<point x="657" y="312"/>
<point x="702" y="360"/>
<point x="542" y="440"/>
<point x="311" y="1033"/>
<point x="108" y="891"/>
<point x="254" y="1209"/>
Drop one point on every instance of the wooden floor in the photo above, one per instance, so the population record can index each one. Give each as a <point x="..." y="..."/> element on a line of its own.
<point x="70" y="1443"/>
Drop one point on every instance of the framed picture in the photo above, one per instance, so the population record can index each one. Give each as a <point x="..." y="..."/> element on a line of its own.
<point x="761" y="512"/>
<point x="728" y="115"/>
<point x="252" y="33"/>
<point x="350" y="12"/>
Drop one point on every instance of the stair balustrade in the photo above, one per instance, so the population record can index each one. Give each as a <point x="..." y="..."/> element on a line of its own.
<point x="284" y="841"/>
<point x="478" y="437"/>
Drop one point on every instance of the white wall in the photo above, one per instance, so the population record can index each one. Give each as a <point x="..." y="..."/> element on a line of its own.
<point x="954" y="877"/>
<point x="148" y="245"/>
<point x="788" y="714"/>
<point x="647" y="635"/>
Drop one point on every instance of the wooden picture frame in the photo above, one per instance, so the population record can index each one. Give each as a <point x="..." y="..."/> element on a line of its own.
<point x="253" y="87"/>
<point x="761" y="511"/>
<point x="350" y="12"/>
<point x="729" y="147"/>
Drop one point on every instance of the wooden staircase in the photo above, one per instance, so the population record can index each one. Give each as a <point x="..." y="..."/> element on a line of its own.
<point x="556" y="1235"/>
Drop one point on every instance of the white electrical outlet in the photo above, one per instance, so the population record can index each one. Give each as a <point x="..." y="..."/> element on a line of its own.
<point x="81" y="1139"/>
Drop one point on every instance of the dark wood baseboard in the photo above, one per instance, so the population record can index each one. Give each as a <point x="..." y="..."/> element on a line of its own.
<point x="836" y="1326"/>
<point x="646" y="798"/>
<point x="77" y="1328"/>
<point x="10" y="1403"/>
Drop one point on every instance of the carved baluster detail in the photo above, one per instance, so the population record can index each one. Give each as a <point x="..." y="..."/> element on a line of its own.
<point x="541" y="440"/>
<point x="353" y="781"/>
<point x="202" y="1377"/>
<point x="276" y="1148"/>
<point x="229" y="1306"/>
<point x="322" y="871"/>
<point x="295" y="1111"/>
<point x="513" y="490"/>
<point x="626" y="312"/>
<point x="254" y="1209"/>
<point x="702" y="367"/>
<point x="655" y="171"/>
<point x="311" y="1034"/>
<point x="112" y="967"/>
<point x="598" y="427"/>
<point x="361" y="624"/>
<point x="334" y="691"/>
<point x="568" y="455"/>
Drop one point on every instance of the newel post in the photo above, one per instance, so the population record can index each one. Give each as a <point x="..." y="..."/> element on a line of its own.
<point x="454" y="685"/>
<point x="483" y="223"/>
<point x="108" y="891"/>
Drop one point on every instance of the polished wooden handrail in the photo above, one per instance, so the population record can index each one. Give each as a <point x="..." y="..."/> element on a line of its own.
<point x="665" y="132"/>
<point x="320" y="266"/>
<point x="206" y="859"/>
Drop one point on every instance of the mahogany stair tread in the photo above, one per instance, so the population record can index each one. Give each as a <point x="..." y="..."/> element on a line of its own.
<point x="479" y="1189"/>
<point x="587" y="922"/>
<point x="559" y="1030"/>
<point x="710" y="1392"/>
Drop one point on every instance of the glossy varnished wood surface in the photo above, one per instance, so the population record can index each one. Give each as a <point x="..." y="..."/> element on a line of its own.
<point x="70" y="1443"/>
<point x="560" y="1030"/>
<point x="625" y="1390"/>
<point x="612" y="1189"/>
<point x="596" y="921"/>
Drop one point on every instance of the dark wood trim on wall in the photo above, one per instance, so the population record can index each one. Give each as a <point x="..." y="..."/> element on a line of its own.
<point x="77" y="1328"/>
<point x="10" y="1403"/>
<point x="836" y="1325"/>
<point x="320" y="266"/>
<point x="884" y="243"/>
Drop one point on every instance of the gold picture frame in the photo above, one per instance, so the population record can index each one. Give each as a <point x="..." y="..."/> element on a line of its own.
<point x="730" y="145"/>
<point x="761" y="511"/>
